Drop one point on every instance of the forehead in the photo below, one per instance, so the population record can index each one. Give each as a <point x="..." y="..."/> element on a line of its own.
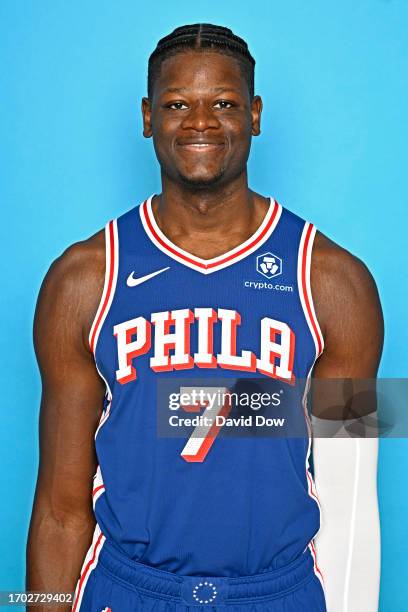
<point x="199" y="71"/>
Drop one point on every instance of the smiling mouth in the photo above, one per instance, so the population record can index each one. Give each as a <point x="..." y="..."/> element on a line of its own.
<point x="201" y="146"/>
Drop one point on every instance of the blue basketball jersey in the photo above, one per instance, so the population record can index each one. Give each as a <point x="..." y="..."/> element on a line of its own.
<point x="207" y="501"/>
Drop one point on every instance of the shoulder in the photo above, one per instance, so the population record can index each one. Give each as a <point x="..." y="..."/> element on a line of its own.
<point x="342" y="285"/>
<point x="84" y="257"/>
<point x="73" y="285"/>
<point x="332" y="263"/>
<point x="80" y="264"/>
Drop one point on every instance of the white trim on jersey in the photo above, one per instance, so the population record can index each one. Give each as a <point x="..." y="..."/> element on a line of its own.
<point x="305" y="291"/>
<point x="109" y="287"/>
<point x="105" y="414"/>
<point x="89" y="564"/>
<point x="111" y="276"/>
<point x="206" y="266"/>
<point x="306" y="299"/>
<point x="98" y="486"/>
<point x="316" y="569"/>
<point x="311" y="487"/>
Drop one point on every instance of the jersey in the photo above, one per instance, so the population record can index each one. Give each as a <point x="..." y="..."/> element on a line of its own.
<point x="204" y="501"/>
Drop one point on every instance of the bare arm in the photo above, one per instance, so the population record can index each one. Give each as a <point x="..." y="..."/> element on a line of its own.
<point x="348" y="544"/>
<point x="62" y="521"/>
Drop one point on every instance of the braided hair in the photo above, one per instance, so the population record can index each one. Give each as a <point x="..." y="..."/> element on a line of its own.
<point x="197" y="37"/>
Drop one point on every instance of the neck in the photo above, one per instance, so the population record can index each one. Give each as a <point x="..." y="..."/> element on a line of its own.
<point x="231" y="209"/>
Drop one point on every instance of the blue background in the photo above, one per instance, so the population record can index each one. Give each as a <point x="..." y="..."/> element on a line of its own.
<point x="333" y="149"/>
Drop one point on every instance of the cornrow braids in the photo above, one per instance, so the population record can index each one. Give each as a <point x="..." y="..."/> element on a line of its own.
<point x="197" y="37"/>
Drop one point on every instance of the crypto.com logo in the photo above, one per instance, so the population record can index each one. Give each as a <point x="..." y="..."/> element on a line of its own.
<point x="269" y="265"/>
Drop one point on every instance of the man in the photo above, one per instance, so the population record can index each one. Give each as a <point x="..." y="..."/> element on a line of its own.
<point x="208" y="279"/>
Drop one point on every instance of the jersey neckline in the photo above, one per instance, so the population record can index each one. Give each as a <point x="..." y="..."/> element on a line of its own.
<point x="207" y="266"/>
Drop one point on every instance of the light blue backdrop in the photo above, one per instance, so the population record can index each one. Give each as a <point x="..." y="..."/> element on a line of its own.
<point x="333" y="77"/>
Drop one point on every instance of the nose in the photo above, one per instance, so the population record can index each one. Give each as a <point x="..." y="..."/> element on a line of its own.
<point x="200" y="118"/>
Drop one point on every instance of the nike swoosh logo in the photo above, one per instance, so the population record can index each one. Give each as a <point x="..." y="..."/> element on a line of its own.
<point x="133" y="282"/>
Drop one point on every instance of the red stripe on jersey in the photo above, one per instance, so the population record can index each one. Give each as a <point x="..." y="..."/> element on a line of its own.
<point x="97" y="489"/>
<point x="315" y="561"/>
<point x="110" y="282"/>
<point x="198" y="262"/>
<point x="305" y="293"/>
<point x="86" y="570"/>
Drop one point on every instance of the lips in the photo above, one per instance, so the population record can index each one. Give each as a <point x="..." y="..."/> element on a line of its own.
<point x="200" y="145"/>
<point x="198" y="141"/>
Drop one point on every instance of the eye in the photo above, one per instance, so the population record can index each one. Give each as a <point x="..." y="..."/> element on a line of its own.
<point x="176" y="105"/>
<point x="223" y="104"/>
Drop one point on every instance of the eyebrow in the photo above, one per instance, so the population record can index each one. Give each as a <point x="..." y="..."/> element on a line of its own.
<point x="181" y="89"/>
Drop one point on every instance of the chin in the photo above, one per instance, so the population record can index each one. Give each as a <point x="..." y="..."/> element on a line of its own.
<point x="201" y="181"/>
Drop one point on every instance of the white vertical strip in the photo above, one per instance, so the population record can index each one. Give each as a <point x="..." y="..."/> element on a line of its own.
<point x="310" y="482"/>
<point x="105" y="414"/>
<point x="89" y="564"/>
<point x="111" y="268"/>
<point x="308" y="285"/>
<point x="109" y="265"/>
<point x="98" y="486"/>
<point x="317" y="571"/>
<point x="106" y="283"/>
<point x="311" y="486"/>
<point x="353" y="524"/>
<point x="306" y="290"/>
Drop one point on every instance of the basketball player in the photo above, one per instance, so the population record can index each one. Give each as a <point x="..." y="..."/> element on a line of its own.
<point x="206" y="279"/>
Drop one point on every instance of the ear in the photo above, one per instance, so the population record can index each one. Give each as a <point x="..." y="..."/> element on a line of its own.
<point x="147" y="117"/>
<point x="256" y="111"/>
